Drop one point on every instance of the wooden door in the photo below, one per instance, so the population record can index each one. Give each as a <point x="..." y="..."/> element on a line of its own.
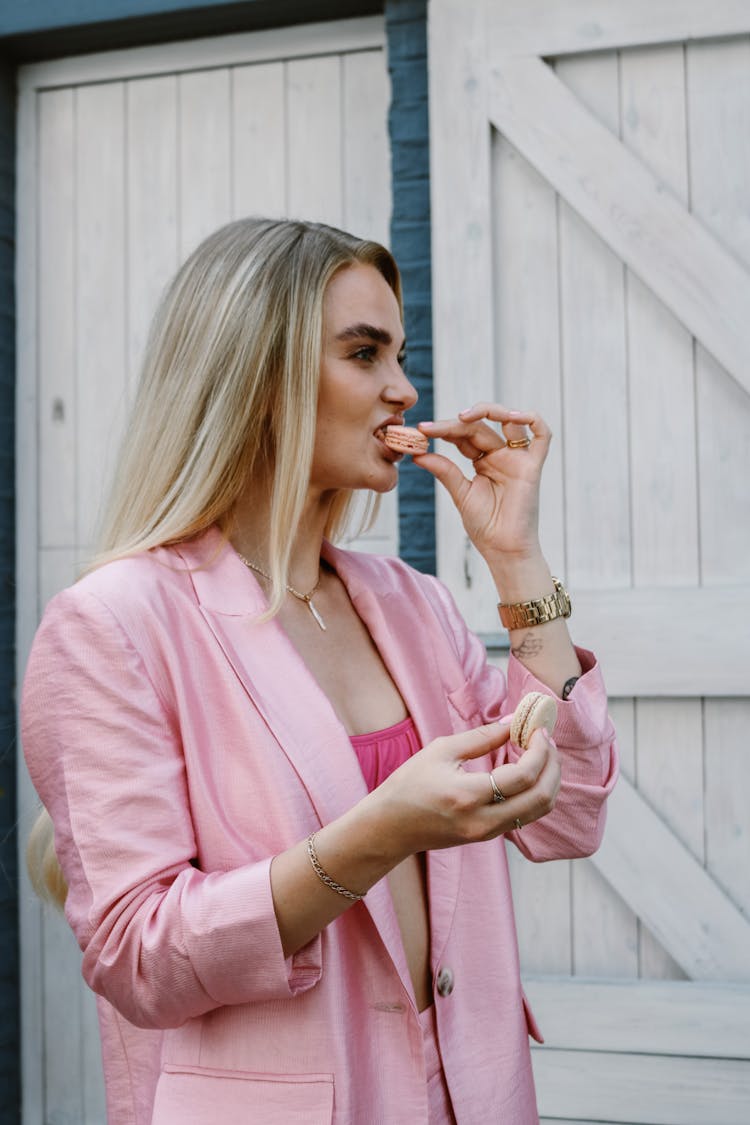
<point x="126" y="160"/>
<point x="591" y="256"/>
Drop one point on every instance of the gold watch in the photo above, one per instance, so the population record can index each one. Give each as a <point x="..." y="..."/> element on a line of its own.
<point x="524" y="615"/>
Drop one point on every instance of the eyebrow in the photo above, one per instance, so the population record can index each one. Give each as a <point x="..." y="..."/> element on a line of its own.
<point x="366" y="332"/>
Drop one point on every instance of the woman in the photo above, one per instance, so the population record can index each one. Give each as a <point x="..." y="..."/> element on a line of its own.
<point x="289" y="911"/>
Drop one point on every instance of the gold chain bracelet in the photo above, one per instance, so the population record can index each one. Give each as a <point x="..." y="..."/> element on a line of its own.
<point x="324" y="876"/>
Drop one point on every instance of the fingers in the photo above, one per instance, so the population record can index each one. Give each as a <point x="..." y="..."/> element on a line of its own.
<point x="470" y="433"/>
<point x="473" y="743"/>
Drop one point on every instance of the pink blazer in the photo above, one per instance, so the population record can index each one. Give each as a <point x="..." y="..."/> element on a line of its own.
<point x="178" y="746"/>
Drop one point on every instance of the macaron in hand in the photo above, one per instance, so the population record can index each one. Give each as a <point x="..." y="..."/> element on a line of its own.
<point x="405" y="439"/>
<point x="534" y="711"/>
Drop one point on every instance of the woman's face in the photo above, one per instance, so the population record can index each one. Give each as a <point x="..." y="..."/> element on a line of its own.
<point x="362" y="383"/>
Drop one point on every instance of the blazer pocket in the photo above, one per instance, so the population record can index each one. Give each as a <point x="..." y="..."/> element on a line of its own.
<point x="197" y="1095"/>
<point x="464" y="703"/>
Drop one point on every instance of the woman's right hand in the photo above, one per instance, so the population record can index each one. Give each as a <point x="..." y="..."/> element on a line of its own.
<point x="432" y="802"/>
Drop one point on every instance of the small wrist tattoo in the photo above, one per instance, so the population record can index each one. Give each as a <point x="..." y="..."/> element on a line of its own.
<point x="568" y="687"/>
<point x="529" y="646"/>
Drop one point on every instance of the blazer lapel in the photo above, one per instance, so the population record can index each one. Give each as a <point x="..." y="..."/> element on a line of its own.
<point x="308" y="732"/>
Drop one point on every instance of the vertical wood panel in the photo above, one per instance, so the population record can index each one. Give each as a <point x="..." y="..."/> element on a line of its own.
<point x="259" y="175"/>
<point x="62" y="1022"/>
<point x="527" y="333"/>
<point x="100" y="295"/>
<point x="205" y="173"/>
<point x="594" y="369"/>
<point x="314" y="139"/>
<point x="365" y="146"/>
<point x="57" y="346"/>
<point x="152" y="192"/>
<point x="727" y="787"/>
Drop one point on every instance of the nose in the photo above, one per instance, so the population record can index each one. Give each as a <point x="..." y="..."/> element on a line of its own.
<point x="399" y="389"/>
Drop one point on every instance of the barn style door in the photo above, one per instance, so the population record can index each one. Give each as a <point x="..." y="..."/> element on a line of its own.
<point x="591" y="255"/>
<point x="126" y="160"/>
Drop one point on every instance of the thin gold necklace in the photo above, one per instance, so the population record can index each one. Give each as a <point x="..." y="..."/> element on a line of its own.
<point x="306" y="598"/>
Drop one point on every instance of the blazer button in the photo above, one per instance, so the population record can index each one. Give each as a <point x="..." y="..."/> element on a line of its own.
<point x="444" y="981"/>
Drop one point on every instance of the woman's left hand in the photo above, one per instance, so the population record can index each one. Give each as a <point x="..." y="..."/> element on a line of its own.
<point x="499" y="504"/>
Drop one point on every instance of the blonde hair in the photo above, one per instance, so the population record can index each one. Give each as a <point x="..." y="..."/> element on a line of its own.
<point x="228" y="392"/>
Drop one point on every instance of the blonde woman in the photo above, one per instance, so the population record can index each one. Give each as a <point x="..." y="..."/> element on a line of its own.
<point x="272" y="765"/>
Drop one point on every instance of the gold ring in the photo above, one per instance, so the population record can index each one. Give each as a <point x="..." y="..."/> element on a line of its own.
<point x="478" y="457"/>
<point x="518" y="824"/>
<point x="497" y="795"/>
<point x="519" y="443"/>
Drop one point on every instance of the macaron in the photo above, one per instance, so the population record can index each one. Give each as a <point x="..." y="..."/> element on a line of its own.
<point x="535" y="710"/>
<point x="405" y="439"/>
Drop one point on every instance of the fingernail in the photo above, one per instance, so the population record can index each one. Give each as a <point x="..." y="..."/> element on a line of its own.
<point x="515" y="413"/>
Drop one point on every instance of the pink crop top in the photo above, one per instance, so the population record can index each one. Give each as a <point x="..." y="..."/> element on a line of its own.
<point x="383" y="751"/>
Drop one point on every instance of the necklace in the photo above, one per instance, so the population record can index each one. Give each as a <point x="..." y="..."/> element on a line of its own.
<point x="306" y="598"/>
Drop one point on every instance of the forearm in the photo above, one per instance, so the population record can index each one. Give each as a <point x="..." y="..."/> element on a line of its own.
<point x="546" y="650"/>
<point x="353" y="850"/>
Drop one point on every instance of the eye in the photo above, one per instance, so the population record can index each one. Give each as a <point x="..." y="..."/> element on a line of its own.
<point x="402" y="360"/>
<point x="365" y="354"/>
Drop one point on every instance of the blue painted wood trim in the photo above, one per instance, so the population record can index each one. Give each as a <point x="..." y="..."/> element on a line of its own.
<point x="406" y="27"/>
<point x="9" y="987"/>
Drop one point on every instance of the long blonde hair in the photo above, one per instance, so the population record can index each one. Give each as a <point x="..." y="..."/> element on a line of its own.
<point x="228" y="392"/>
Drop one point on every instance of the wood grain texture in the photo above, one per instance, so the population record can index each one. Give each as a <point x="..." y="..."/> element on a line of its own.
<point x="205" y="158"/>
<point x="627" y="206"/>
<point x="259" y="172"/>
<point x="547" y="27"/>
<point x="314" y="111"/>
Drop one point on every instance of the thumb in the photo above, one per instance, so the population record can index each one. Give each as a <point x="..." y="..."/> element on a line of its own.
<point x="447" y="472"/>
<point x="479" y="741"/>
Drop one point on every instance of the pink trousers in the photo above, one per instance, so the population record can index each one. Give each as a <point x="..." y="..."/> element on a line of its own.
<point x="438" y="1098"/>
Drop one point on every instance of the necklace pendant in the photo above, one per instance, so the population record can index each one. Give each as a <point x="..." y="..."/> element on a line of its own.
<point x="315" y="614"/>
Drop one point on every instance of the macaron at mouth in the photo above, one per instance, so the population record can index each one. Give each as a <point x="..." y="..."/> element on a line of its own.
<point x="405" y="439"/>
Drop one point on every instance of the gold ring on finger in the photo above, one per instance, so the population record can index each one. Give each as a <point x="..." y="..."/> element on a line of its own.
<point x="518" y="824"/>
<point x="478" y="457"/>
<point x="497" y="795"/>
<point x="519" y="443"/>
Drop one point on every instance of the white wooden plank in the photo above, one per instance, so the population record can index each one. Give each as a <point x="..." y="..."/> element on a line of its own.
<point x="542" y="908"/>
<point x="366" y="148"/>
<point x="727" y="765"/>
<point x="660" y="349"/>
<point x="670" y="777"/>
<point x="57" y="344"/>
<point x="462" y="300"/>
<point x="641" y="1088"/>
<point x="594" y="366"/>
<point x="628" y="207"/>
<point x="27" y="507"/>
<point x="314" y="115"/>
<point x="648" y="1017"/>
<point x="152" y="192"/>
<point x="258" y="140"/>
<point x="326" y="37"/>
<point x="627" y="629"/>
<point x="547" y="27"/>
<point x="695" y="921"/>
<point x="718" y="78"/>
<point x="526" y="314"/>
<point x="62" y="1021"/>
<point x="205" y="174"/>
<point x="605" y="929"/>
<point x="92" y="1077"/>
<point x="100" y="295"/>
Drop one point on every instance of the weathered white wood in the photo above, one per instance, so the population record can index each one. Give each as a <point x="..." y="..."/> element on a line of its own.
<point x="658" y="641"/>
<point x="670" y="777"/>
<point x="594" y="365"/>
<point x="205" y="158"/>
<point x="462" y="303"/>
<point x="366" y="155"/>
<point x="325" y="38"/>
<point x="695" y="921"/>
<point x="727" y="767"/>
<point x="641" y="1088"/>
<point x="659" y="1017"/>
<point x="314" y="140"/>
<point x="549" y="27"/>
<point x="605" y="930"/>
<point x="57" y="343"/>
<point x="542" y="908"/>
<point x="718" y="90"/>
<point x="62" y="1020"/>
<point x="258" y="140"/>
<point x="526" y="313"/>
<point x="627" y="206"/>
<point x="100" y="296"/>
<point x="660" y="349"/>
<point x="152" y="193"/>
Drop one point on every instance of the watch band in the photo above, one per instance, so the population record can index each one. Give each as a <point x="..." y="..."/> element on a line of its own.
<point x="525" y="615"/>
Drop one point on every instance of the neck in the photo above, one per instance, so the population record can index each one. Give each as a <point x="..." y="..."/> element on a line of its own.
<point x="250" y="535"/>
